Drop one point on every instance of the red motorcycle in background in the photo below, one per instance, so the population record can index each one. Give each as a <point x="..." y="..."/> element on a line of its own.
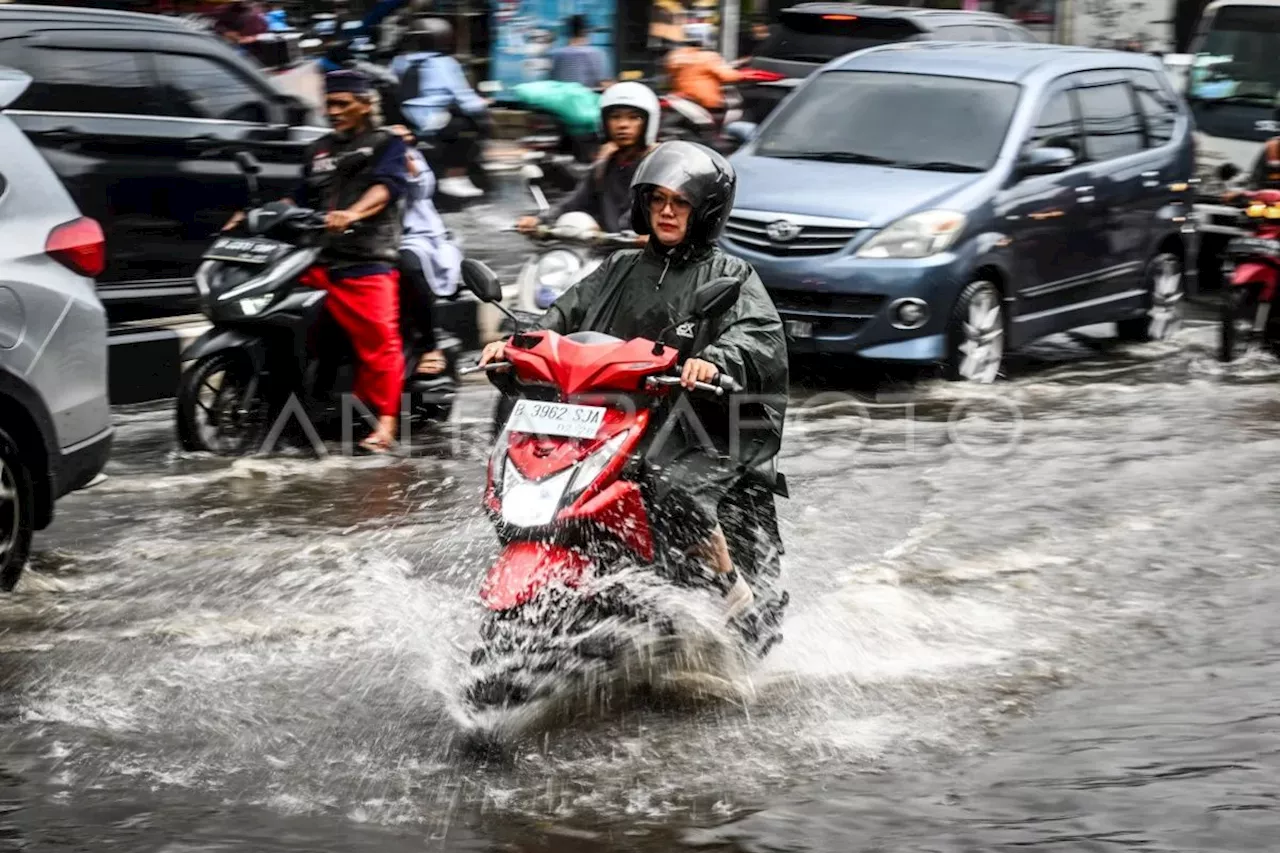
<point x="566" y="492"/>
<point x="1251" y="270"/>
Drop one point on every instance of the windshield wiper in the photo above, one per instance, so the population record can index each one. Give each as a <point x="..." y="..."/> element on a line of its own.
<point x="835" y="157"/>
<point x="942" y="166"/>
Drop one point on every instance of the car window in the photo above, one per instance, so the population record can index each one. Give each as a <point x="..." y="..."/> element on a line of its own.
<point x="201" y="87"/>
<point x="1057" y="126"/>
<point x="1158" y="106"/>
<point x="801" y="37"/>
<point x="67" y="80"/>
<point x="903" y="120"/>
<point x="1111" y="126"/>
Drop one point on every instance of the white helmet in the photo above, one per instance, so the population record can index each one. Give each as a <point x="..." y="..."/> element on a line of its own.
<point x="637" y="96"/>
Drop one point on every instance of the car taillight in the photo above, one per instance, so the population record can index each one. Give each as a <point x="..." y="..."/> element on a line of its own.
<point x="755" y="75"/>
<point x="79" y="246"/>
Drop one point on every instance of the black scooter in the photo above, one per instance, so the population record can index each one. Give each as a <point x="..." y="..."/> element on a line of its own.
<point x="275" y="359"/>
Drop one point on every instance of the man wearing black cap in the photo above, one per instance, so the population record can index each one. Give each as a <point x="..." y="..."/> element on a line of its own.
<point x="358" y="175"/>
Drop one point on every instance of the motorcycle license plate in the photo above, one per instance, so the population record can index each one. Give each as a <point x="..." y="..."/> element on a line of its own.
<point x="1253" y="247"/>
<point x="536" y="418"/>
<point x="798" y="328"/>
<point x="241" y="250"/>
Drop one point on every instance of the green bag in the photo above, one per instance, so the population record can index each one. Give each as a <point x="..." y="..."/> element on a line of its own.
<point x="574" y="104"/>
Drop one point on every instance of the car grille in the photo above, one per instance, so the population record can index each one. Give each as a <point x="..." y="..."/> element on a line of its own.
<point x="808" y="302"/>
<point x="810" y="241"/>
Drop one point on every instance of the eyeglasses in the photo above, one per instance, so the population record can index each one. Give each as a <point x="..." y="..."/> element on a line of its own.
<point x="679" y="204"/>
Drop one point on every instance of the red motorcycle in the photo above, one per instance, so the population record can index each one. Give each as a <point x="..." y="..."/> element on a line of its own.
<point x="1251" y="269"/>
<point x="567" y="492"/>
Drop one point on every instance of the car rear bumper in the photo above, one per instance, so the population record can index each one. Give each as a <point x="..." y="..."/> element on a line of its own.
<point x="80" y="463"/>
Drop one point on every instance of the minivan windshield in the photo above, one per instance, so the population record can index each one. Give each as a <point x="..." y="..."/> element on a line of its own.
<point x="909" y="121"/>
<point x="1238" y="60"/>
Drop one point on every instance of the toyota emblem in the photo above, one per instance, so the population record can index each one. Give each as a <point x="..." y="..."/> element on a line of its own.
<point x="782" y="231"/>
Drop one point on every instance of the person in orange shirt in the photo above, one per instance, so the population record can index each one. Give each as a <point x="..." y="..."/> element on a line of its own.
<point x="699" y="75"/>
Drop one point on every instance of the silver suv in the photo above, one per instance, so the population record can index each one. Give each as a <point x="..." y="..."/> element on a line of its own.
<point x="55" y="419"/>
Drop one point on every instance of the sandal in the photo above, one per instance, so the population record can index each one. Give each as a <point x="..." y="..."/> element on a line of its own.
<point x="431" y="364"/>
<point x="375" y="446"/>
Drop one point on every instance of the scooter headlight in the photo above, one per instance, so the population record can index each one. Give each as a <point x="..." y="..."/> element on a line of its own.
<point x="555" y="271"/>
<point x="254" y="304"/>
<point x="530" y="503"/>
<point x="590" y="468"/>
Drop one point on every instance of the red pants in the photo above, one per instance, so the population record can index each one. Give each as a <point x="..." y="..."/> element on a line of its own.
<point x="368" y="309"/>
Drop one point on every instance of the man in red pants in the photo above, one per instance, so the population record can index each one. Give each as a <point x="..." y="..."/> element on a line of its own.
<point x="358" y="174"/>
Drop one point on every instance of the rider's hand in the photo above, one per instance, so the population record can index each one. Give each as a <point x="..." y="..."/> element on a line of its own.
<point x="338" y="221"/>
<point x="236" y="219"/>
<point x="527" y="224"/>
<point x="496" y="351"/>
<point x="697" y="370"/>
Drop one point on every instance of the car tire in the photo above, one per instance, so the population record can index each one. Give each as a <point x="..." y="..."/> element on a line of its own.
<point x="976" y="334"/>
<point x="191" y="437"/>
<point x="17" y="512"/>
<point x="1164" y="280"/>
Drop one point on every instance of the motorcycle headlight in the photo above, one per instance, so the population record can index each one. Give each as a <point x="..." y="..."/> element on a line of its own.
<point x="528" y="503"/>
<point x="590" y="468"/>
<point x="555" y="271"/>
<point x="254" y="304"/>
<point x="916" y="236"/>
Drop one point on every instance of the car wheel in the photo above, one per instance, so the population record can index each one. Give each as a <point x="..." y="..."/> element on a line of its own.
<point x="1236" y="318"/>
<point x="212" y="415"/>
<point x="1163" y="317"/>
<point x="976" y="334"/>
<point x="17" y="512"/>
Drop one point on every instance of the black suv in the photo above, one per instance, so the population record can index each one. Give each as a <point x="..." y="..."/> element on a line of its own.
<point x="810" y="35"/>
<point x="140" y="117"/>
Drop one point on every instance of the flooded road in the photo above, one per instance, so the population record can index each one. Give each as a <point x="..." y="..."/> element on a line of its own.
<point x="1035" y="615"/>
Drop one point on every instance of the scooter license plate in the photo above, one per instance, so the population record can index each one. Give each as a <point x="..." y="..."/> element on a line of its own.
<point x="241" y="250"/>
<point x="562" y="419"/>
<point x="798" y="329"/>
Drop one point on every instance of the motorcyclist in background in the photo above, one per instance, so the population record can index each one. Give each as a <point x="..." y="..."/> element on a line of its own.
<point x="438" y="102"/>
<point x="430" y="262"/>
<point x="631" y="115"/>
<point x="699" y="75"/>
<point x="681" y="195"/>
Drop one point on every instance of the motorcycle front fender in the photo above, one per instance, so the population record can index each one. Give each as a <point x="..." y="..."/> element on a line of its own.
<point x="525" y="569"/>
<point x="1253" y="273"/>
<point x="220" y="339"/>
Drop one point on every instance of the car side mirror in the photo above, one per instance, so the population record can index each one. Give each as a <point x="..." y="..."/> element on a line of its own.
<point x="482" y="281"/>
<point x="716" y="297"/>
<point x="1227" y="171"/>
<point x="296" y="111"/>
<point x="741" y="131"/>
<point x="1046" y="161"/>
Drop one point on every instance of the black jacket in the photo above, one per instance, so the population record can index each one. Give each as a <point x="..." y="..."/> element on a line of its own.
<point x="337" y="172"/>
<point x="636" y="293"/>
<point x="605" y="194"/>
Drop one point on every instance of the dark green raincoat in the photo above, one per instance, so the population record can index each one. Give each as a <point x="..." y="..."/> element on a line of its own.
<point x="637" y="293"/>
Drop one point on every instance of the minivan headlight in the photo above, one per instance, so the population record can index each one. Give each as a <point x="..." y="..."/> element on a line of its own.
<point x="916" y="236"/>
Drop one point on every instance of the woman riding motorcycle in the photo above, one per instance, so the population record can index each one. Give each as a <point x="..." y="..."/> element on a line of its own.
<point x="631" y="116"/>
<point x="714" y="463"/>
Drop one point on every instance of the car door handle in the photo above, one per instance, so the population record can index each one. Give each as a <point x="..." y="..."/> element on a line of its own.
<point x="1154" y="173"/>
<point x="1085" y="194"/>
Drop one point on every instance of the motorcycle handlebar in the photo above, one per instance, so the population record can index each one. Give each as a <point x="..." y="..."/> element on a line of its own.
<point x="573" y="235"/>
<point x="722" y="383"/>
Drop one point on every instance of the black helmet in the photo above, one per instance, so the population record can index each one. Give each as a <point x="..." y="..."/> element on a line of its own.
<point x="696" y="172"/>
<point x="429" y="34"/>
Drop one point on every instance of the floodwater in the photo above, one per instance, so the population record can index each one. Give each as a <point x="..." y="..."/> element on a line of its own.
<point x="1036" y="615"/>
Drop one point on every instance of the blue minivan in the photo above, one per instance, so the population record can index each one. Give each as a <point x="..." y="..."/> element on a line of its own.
<point x="936" y="202"/>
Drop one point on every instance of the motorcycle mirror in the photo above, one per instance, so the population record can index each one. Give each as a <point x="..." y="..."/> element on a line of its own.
<point x="531" y="173"/>
<point x="716" y="297"/>
<point x="1227" y="171"/>
<point x="482" y="281"/>
<point x="248" y="163"/>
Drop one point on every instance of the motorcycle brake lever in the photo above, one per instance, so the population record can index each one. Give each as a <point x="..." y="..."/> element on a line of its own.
<point x="476" y="368"/>
<point x="670" y="381"/>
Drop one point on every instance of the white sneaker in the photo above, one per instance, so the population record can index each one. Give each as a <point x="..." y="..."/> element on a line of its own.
<point x="459" y="187"/>
<point x="738" y="599"/>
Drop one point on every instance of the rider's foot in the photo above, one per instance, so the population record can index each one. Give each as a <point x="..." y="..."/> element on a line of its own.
<point x="738" y="598"/>
<point x="431" y="364"/>
<point x="381" y="439"/>
<point x="459" y="187"/>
